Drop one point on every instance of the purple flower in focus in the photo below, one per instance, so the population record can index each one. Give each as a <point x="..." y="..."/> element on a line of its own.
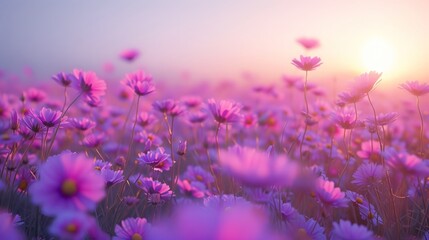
<point x="68" y="182"/>
<point x="112" y="177"/>
<point x="131" y="229"/>
<point x="49" y="117"/>
<point x="158" y="160"/>
<point x="345" y="230"/>
<point x="33" y="124"/>
<point x="155" y="191"/>
<point x="89" y="84"/>
<point x="140" y="83"/>
<point x="225" y="111"/>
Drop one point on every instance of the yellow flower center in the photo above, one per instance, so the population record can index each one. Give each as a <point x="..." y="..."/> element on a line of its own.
<point x="199" y="178"/>
<point x="136" y="236"/>
<point x="302" y="234"/>
<point x="359" y="200"/>
<point x="71" y="228"/>
<point x="23" y="185"/>
<point x="69" y="188"/>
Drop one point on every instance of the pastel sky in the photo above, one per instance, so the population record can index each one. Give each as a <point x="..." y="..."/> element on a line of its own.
<point x="214" y="40"/>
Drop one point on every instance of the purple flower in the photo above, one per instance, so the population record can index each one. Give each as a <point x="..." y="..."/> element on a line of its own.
<point x="71" y="225"/>
<point x="93" y="140"/>
<point x="383" y="119"/>
<point x="131" y="228"/>
<point x="112" y="177"/>
<point x="307" y="63"/>
<point x="63" y="79"/>
<point x="49" y="117"/>
<point x="345" y="118"/>
<point x="68" y="182"/>
<point x="192" y="189"/>
<point x="345" y="230"/>
<point x="89" y="84"/>
<point x="34" y="95"/>
<point x="350" y="97"/>
<point x="407" y="164"/>
<point x="197" y="173"/>
<point x="181" y="149"/>
<point x="306" y="229"/>
<point x="225" y="111"/>
<point x="169" y="107"/>
<point x="368" y="174"/>
<point x="129" y="54"/>
<point x="328" y="195"/>
<point x="255" y="168"/>
<point x="140" y="83"/>
<point x="155" y="191"/>
<point x="33" y="124"/>
<point x="370" y="151"/>
<point x="366" y="209"/>
<point x="365" y="82"/>
<point x="158" y="160"/>
<point x="8" y="228"/>
<point x="82" y="124"/>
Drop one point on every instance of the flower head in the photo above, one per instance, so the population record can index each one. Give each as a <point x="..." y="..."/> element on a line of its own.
<point x="131" y="228"/>
<point x="140" y="83"/>
<point x="158" y="160"/>
<point x="155" y="191"/>
<point x="89" y="84"/>
<point x="367" y="174"/>
<point x="68" y="182"/>
<point x="308" y="43"/>
<point x="365" y="82"/>
<point x="307" y="63"/>
<point x="129" y="54"/>
<point x="415" y="88"/>
<point x="63" y="79"/>
<point x="346" y="230"/>
<point x="71" y="225"/>
<point x="329" y="195"/>
<point x="407" y="164"/>
<point x="49" y="117"/>
<point x="225" y="111"/>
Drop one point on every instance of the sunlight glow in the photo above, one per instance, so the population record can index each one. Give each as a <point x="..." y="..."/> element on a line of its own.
<point x="378" y="55"/>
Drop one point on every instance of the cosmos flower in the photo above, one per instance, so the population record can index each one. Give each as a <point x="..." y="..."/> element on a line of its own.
<point x="155" y="191"/>
<point x="350" y="97"/>
<point x="63" y="79"/>
<point x="89" y="84"/>
<point x="129" y="54"/>
<point x="366" y="209"/>
<point x="112" y="177"/>
<point x="328" y="195"/>
<point x="34" y="95"/>
<point x="139" y="82"/>
<point x="192" y="189"/>
<point x="415" y="88"/>
<point x="33" y="124"/>
<point x="169" y="107"/>
<point x="345" y="230"/>
<point x="70" y="225"/>
<point x="256" y="168"/>
<point x="158" y="159"/>
<point x="68" y="182"/>
<point x="405" y="163"/>
<point x="197" y="173"/>
<point x="370" y="150"/>
<point x="384" y="119"/>
<point x="345" y="118"/>
<point x="93" y="140"/>
<point x="145" y="119"/>
<point x="225" y="111"/>
<point x="49" y="117"/>
<point x="82" y="124"/>
<point x="131" y="228"/>
<point x="367" y="175"/>
<point x="306" y="229"/>
<point x="308" y="43"/>
<point x="306" y="63"/>
<point x="365" y="82"/>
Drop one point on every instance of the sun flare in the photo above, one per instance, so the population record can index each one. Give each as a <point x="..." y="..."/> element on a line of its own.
<point x="378" y="55"/>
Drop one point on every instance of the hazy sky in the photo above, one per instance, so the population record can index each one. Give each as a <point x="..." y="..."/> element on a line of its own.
<point x="213" y="39"/>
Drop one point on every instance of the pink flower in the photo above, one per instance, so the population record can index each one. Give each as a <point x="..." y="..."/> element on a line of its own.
<point x="129" y="54"/>
<point x="307" y="63"/>
<point x="139" y="82"/>
<point x="49" y="117"/>
<point x="225" y="111"/>
<point x="89" y="84"/>
<point x="415" y="88"/>
<point x="68" y="182"/>
<point x="308" y="43"/>
<point x="365" y="82"/>
<point x="329" y="195"/>
<point x="131" y="228"/>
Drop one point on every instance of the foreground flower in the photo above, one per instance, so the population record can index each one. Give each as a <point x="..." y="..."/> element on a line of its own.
<point x="225" y="111"/>
<point x="131" y="229"/>
<point x="68" y="182"/>
<point x="345" y="230"/>
<point x="415" y="88"/>
<point x="49" y="117"/>
<point x="307" y="63"/>
<point x="139" y="82"/>
<point x="89" y="84"/>
<point x="70" y="225"/>
<point x="257" y="168"/>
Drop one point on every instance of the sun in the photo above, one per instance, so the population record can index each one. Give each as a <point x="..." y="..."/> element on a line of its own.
<point x="378" y="55"/>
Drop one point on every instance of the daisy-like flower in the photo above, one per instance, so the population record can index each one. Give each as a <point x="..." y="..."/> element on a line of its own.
<point x="89" y="84"/>
<point x="345" y="118"/>
<point x="33" y="124"/>
<point x="366" y="209"/>
<point x="169" y="107"/>
<point x="197" y="173"/>
<point x="131" y="229"/>
<point x="129" y="54"/>
<point x="112" y="177"/>
<point x="308" y="43"/>
<point x="145" y="119"/>
<point x="345" y="230"/>
<point x="415" y="88"/>
<point x="93" y="140"/>
<point x="368" y="174"/>
<point x="384" y="119"/>
<point x="407" y="164"/>
<point x="370" y="151"/>
<point x="365" y="82"/>
<point x="306" y="229"/>
<point x="225" y="111"/>
<point x="34" y="95"/>
<point x="139" y="82"/>
<point x="256" y="168"/>
<point x="192" y="189"/>
<point x="328" y="195"/>
<point x="82" y="124"/>
<point x="63" y="79"/>
<point x="158" y="160"/>
<point x="155" y="191"/>
<point x="68" y="182"/>
<point x="350" y="97"/>
<point x="306" y="63"/>
<point x="49" y="117"/>
<point x="71" y="225"/>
